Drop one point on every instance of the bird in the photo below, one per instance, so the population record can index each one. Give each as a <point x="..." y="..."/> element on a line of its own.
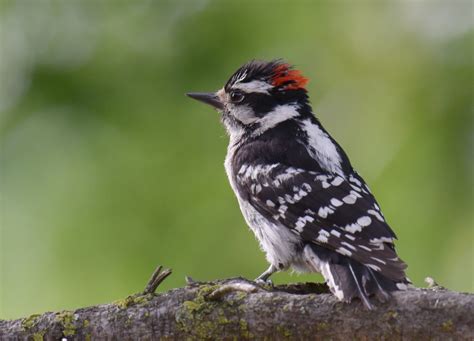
<point x="297" y="190"/>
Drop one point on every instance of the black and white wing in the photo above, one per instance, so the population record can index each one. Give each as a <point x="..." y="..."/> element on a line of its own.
<point x="328" y="210"/>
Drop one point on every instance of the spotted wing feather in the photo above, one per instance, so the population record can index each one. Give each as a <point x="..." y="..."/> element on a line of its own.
<point x="329" y="210"/>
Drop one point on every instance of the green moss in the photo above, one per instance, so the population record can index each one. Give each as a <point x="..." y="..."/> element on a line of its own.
<point x="240" y="295"/>
<point x="128" y="322"/>
<point x="321" y="326"/>
<point x="284" y="331"/>
<point x="447" y="326"/>
<point x="88" y="337"/>
<point x="244" y="330"/>
<point x="86" y="323"/>
<point x="30" y="321"/>
<point x="391" y="315"/>
<point x="206" y="289"/>
<point x="193" y="315"/>
<point x="222" y="319"/>
<point x="123" y="303"/>
<point x="244" y="326"/>
<point x="133" y="300"/>
<point x="38" y="336"/>
<point x="191" y="306"/>
<point x="66" y="319"/>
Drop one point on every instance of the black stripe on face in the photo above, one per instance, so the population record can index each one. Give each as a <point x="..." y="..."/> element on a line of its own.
<point x="261" y="104"/>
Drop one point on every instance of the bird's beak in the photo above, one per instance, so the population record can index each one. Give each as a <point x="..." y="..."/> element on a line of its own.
<point x="208" y="98"/>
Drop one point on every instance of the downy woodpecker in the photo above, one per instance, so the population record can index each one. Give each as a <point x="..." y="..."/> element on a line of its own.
<point x="297" y="190"/>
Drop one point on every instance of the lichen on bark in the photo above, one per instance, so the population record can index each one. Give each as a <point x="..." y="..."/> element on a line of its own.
<point x="286" y="312"/>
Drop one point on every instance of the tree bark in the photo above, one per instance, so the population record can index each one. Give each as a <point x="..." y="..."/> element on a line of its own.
<point x="237" y="309"/>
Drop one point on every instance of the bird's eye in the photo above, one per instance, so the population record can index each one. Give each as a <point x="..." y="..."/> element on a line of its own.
<point x="236" y="96"/>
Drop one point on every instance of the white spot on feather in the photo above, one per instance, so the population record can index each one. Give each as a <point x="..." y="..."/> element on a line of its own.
<point x="324" y="211"/>
<point x="349" y="199"/>
<point x="282" y="209"/>
<point x="348" y="245"/>
<point x="363" y="247"/>
<point x="378" y="260"/>
<point x="255" y="172"/>
<point x="352" y="228"/>
<point x="355" y="180"/>
<point x="373" y="267"/>
<point x="358" y="189"/>
<point x="344" y="251"/>
<point x="322" y="239"/>
<point x="337" y="181"/>
<point x="323" y="236"/>
<point x="376" y="214"/>
<point x="270" y="203"/>
<point x="289" y="199"/>
<point x="301" y="222"/>
<point x="381" y="240"/>
<point x="364" y="221"/>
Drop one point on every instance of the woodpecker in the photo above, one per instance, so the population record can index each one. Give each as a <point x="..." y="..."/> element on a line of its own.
<point x="296" y="188"/>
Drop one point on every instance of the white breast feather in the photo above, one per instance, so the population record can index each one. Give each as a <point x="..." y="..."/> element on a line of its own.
<point x="276" y="240"/>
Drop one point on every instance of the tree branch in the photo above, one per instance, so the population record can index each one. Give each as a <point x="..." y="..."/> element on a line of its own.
<point x="238" y="308"/>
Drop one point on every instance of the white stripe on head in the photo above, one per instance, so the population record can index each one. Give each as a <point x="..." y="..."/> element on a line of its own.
<point x="253" y="86"/>
<point x="279" y="114"/>
<point x="240" y="77"/>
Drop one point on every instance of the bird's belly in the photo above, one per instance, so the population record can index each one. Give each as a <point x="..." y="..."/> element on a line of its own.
<point x="277" y="241"/>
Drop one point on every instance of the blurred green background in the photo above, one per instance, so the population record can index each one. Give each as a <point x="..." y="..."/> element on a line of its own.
<point x="108" y="170"/>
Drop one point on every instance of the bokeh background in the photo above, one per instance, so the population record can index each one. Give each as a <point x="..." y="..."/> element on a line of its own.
<point x="108" y="170"/>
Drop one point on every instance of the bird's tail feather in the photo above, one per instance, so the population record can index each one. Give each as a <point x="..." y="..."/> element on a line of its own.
<point x="349" y="279"/>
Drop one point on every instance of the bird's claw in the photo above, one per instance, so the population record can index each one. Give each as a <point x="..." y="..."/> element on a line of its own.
<point x="264" y="282"/>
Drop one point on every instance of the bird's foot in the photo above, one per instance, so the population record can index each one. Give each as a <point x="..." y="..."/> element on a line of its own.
<point x="241" y="286"/>
<point x="264" y="282"/>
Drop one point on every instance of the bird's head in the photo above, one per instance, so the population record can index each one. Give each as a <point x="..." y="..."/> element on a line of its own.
<point x="259" y="96"/>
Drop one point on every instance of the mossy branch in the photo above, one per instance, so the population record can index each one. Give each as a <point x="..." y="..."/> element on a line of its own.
<point x="239" y="309"/>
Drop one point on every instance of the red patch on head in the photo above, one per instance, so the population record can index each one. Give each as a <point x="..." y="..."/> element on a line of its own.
<point x="287" y="78"/>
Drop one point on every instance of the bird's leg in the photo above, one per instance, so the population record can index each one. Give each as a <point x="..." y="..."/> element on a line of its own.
<point x="263" y="278"/>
